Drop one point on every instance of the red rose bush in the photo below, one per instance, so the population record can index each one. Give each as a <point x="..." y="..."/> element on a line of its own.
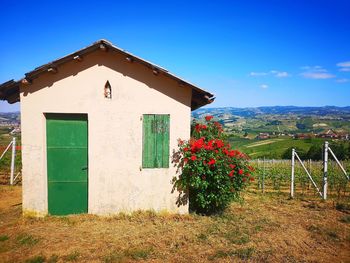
<point x="211" y="174"/>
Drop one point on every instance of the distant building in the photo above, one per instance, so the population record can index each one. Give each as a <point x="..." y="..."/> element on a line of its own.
<point x="330" y="134"/>
<point x="302" y="136"/>
<point x="263" y="136"/>
<point x="343" y="136"/>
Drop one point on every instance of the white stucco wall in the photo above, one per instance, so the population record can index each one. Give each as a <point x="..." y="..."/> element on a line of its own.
<point x="115" y="181"/>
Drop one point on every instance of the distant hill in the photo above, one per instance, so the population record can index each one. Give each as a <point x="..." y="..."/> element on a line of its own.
<point x="289" y="110"/>
<point x="280" y="119"/>
<point x="10" y="117"/>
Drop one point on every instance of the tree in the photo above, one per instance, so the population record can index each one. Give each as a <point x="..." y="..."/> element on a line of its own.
<point x="287" y="154"/>
<point x="315" y="153"/>
<point x="339" y="150"/>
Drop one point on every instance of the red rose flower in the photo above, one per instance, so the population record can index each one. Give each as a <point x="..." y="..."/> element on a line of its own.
<point x="219" y="143"/>
<point x="211" y="162"/>
<point x="197" y="145"/>
<point x="231" y="173"/>
<point x="208" y="118"/>
<point x="240" y="171"/>
<point x="193" y="158"/>
<point x="231" y="153"/>
<point x="209" y="146"/>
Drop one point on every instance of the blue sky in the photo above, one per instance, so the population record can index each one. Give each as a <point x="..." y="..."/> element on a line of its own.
<point x="249" y="53"/>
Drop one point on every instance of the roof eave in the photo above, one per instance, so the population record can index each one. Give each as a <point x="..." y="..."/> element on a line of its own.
<point x="9" y="91"/>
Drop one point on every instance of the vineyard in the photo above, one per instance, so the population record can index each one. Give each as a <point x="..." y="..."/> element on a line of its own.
<point x="275" y="176"/>
<point x="5" y="162"/>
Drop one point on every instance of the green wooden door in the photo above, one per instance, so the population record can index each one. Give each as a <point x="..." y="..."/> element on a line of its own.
<point x="67" y="163"/>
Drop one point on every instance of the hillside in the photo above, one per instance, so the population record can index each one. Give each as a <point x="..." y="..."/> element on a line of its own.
<point x="9" y="117"/>
<point x="270" y="131"/>
<point x="280" y="119"/>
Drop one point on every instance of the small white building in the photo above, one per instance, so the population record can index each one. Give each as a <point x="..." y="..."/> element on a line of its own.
<point x="98" y="130"/>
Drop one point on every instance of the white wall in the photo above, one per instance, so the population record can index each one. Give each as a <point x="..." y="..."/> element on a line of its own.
<point x="115" y="180"/>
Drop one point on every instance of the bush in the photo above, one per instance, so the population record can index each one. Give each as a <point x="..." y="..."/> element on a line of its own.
<point x="211" y="173"/>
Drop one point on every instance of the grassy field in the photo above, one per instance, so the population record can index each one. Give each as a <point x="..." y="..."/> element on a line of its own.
<point x="272" y="148"/>
<point x="262" y="228"/>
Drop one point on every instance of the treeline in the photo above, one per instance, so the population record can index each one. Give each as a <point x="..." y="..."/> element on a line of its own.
<point x="315" y="152"/>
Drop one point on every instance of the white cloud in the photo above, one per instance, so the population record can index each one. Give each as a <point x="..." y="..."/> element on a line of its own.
<point x="313" y="68"/>
<point x="317" y="72"/>
<point x="305" y="67"/>
<point x="257" y="74"/>
<point x="320" y="70"/>
<point x="344" y="64"/>
<point x="345" y="69"/>
<point x="264" y="86"/>
<point x="342" y="80"/>
<point x="275" y="73"/>
<point x="317" y="75"/>
<point x="282" y="74"/>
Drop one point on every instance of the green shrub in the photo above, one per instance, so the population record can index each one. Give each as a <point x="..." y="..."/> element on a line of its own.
<point x="211" y="173"/>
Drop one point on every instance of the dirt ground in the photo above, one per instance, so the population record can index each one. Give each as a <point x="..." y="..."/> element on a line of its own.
<point x="262" y="228"/>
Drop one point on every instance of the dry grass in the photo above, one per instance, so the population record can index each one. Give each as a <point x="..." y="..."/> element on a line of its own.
<point x="264" y="228"/>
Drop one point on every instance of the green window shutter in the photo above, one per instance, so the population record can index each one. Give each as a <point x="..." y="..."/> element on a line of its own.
<point x="155" y="152"/>
<point x="148" y="142"/>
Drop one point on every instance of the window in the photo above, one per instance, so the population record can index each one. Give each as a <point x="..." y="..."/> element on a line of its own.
<point x="155" y="150"/>
<point x="108" y="90"/>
